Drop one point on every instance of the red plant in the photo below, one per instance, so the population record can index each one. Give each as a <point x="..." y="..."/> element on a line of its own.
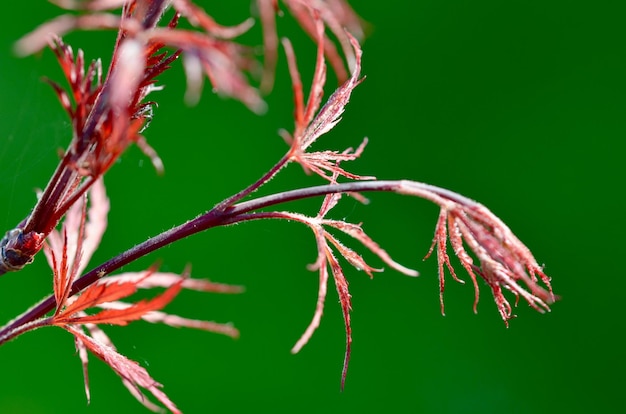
<point x="110" y="113"/>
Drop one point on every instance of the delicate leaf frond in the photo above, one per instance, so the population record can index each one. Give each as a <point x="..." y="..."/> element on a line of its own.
<point x="346" y="306"/>
<point x="326" y="259"/>
<point x="68" y="251"/>
<point x="199" y="17"/>
<point x="336" y="14"/>
<point x="341" y="20"/>
<point x="503" y="259"/>
<point x="326" y="163"/>
<point x="309" y="126"/>
<point x="128" y="370"/>
<point x="224" y="62"/>
<point x="440" y="241"/>
<point x="355" y="231"/>
<point x="175" y="320"/>
<point x="320" y="265"/>
<point x="96" y="294"/>
<point x="47" y="32"/>
<point x="103" y="293"/>
<point x="107" y="292"/>
<point x="351" y="256"/>
<point x="163" y="279"/>
<point x="330" y="114"/>
<point x="267" y="12"/>
<point x="92" y="5"/>
<point x="84" y="359"/>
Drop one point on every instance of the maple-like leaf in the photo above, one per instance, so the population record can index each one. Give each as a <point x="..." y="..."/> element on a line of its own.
<point x="101" y="293"/>
<point x="68" y="251"/>
<point x="109" y="114"/>
<point x="106" y="294"/>
<point x="326" y="259"/>
<point x="336" y="14"/>
<point x="127" y="283"/>
<point x="311" y="124"/>
<point x="166" y="279"/>
<point x="503" y="260"/>
<point x="130" y="371"/>
<point x="209" y="52"/>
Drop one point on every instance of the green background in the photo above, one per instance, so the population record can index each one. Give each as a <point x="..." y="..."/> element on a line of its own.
<point x="518" y="104"/>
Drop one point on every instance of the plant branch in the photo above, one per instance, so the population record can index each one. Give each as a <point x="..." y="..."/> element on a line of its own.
<point x="219" y="216"/>
<point x="257" y="184"/>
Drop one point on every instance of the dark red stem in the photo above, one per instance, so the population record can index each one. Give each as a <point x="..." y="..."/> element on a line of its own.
<point x="221" y="216"/>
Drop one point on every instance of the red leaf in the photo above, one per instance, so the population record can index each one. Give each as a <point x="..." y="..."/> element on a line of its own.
<point x="129" y="370"/>
<point x="178" y="321"/>
<point x="309" y="126"/>
<point x="69" y="249"/>
<point x="164" y="279"/>
<point x="120" y="316"/>
<point x="330" y="114"/>
<point x="346" y="306"/>
<point x="355" y="231"/>
<point x="320" y="265"/>
<point x="98" y="293"/>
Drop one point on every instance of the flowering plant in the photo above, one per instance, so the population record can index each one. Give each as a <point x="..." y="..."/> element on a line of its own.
<point x="109" y="112"/>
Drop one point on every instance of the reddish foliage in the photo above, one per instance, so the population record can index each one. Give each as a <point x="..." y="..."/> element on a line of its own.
<point x="109" y="114"/>
<point x="311" y="124"/>
<point x="68" y="251"/>
<point x="133" y="375"/>
<point x="336" y="14"/>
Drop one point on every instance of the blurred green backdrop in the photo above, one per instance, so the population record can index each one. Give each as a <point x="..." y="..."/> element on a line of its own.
<point x="518" y="104"/>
